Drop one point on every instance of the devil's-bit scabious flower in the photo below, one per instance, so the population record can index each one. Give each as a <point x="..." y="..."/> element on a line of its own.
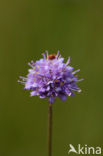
<point x="50" y="78"/>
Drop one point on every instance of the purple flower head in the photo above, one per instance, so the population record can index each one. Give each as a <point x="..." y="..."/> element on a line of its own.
<point x="50" y="77"/>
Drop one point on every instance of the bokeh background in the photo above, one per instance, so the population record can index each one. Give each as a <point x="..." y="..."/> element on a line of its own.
<point x="27" y="29"/>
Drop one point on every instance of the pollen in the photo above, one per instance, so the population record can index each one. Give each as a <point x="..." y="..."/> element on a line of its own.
<point x="61" y="83"/>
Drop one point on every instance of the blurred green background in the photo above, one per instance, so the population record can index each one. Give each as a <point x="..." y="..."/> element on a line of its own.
<point x="27" y="29"/>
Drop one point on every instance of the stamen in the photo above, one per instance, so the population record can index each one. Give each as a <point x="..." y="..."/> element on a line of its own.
<point x="68" y="61"/>
<point x="47" y="54"/>
<point x="44" y="55"/>
<point x="21" y="82"/>
<point x="59" y="57"/>
<point x="76" y="71"/>
<point x="30" y="65"/>
<point x="23" y="78"/>
<point x="69" y="94"/>
<point x="79" y="90"/>
<point x="33" y="63"/>
<point x="80" y="80"/>
<point x="57" y="54"/>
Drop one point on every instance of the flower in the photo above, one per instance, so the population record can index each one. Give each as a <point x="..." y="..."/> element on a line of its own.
<point x="49" y="78"/>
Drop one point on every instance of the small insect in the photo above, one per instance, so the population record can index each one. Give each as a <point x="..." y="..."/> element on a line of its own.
<point x="52" y="56"/>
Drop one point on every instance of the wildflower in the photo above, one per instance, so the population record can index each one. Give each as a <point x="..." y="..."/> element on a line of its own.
<point x="50" y="77"/>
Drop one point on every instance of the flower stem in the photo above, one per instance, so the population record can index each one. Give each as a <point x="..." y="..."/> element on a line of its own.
<point x="50" y="130"/>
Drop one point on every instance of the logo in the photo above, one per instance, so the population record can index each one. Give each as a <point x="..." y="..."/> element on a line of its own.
<point x="84" y="149"/>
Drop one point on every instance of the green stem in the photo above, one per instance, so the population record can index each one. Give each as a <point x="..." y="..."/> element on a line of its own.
<point x="50" y="130"/>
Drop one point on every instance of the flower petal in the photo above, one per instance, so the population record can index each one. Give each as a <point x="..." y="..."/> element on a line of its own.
<point x="51" y="99"/>
<point x="63" y="97"/>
